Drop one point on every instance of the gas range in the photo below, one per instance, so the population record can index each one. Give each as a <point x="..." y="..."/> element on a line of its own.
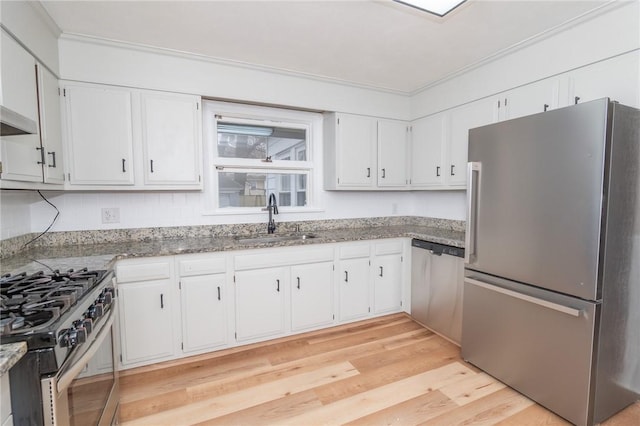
<point x="53" y="310"/>
<point x="66" y="319"/>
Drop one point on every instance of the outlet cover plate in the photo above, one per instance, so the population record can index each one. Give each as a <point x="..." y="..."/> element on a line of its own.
<point x="111" y="215"/>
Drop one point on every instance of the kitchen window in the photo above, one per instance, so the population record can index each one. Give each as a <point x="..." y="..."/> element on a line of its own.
<point x="258" y="151"/>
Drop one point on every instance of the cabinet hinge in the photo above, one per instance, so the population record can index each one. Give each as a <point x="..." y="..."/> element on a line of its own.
<point x="182" y="345"/>
<point x="334" y="267"/>
<point x="69" y="176"/>
<point x="338" y="121"/>
<point x="505" y="101"/>
<point x="369" y="263"/>
<point x="120" y="357"/>
<point x="199" y="178"/>
<point x="401" y="259"/>
<point x="64" y="92"/>
<point x="334" y="316"/>
<point x="369" y="309"/>
<point x="234" y="278"/>
<point x="338" y="180"/>
<point x="498" y="104"/>
<point x="179" y="285"/>
<point x="235" y="335"/>
<point x="59" y="92"/>
<point x="197" y="105"/>
<point x="401" y="303"/>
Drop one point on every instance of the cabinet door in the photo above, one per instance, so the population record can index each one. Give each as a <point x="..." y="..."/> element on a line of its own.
<point x="427" y="140"/>
<point x="260" y="303"/>
<point x="530" y="99"/>
<point x="171" y="139"/>
<point x="50" y="126"/>
<point x="356" y="141"/>
<point x="392" y="153"/>
<point x="387" y="283"/>
<point x="475" y="114"/>
<point x="18" y="78"/>
<point x="311" y="295"/>
<point x="615" y="78"/>
<point x="353" y="281"/>
<point x="204" y="314"/>
<point x="21" y="158"/>
<point x="146" y="321"/>
<point x="100" y="137"/>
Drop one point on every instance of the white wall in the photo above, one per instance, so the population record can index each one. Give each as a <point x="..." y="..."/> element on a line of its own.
<point x="15" y="212"/>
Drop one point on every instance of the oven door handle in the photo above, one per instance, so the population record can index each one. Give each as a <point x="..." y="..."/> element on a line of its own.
<point x="78" y="365"/>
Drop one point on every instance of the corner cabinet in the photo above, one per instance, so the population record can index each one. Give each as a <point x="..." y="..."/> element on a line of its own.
<point x="121" y="138"/>
<point x="364" y="153"/>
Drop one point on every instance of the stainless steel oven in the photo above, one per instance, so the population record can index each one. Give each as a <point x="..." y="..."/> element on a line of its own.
<point x="85" y="391"/>
<point x="68" y="377"/>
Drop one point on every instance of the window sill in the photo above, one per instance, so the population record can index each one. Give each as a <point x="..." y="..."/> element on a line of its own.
<point x="259" y="211"/>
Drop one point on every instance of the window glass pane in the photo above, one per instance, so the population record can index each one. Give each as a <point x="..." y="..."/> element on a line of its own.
<point x="260" y="142"/>
<point x="251" y="189"/>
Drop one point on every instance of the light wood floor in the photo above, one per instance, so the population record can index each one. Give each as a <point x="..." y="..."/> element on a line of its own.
<point x="387" y="370"/>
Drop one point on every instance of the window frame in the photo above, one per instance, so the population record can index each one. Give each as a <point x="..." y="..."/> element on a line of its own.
<point x="214" y="111"/>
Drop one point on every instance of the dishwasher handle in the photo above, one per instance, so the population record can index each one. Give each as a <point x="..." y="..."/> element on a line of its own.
<point x="438" y="249"/>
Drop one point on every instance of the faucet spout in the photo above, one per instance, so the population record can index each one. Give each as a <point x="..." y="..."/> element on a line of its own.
<point x="273" y="209"/>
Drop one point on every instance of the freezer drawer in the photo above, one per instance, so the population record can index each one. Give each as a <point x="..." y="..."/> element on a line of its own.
<point x="538" y="342"/>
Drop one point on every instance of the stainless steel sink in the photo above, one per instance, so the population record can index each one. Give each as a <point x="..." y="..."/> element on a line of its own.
<point x="273" y="238"/>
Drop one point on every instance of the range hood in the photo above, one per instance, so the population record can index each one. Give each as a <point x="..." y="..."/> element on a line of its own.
<point x="12" y="123"/>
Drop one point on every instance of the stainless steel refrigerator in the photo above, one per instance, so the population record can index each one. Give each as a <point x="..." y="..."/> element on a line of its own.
<point x="552" y="269"/>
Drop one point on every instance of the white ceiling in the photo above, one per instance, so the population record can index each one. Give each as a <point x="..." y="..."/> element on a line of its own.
<point x="375" y="43"/>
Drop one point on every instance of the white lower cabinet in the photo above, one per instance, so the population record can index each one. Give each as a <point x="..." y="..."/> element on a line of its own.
<point x="204" y="313"/>
<point x="387" y="278"/>
<point x="146" y="318"/>
<point x="260" y="303"/>
<point x="311" y="295"/>
<point x="177" y="306"/>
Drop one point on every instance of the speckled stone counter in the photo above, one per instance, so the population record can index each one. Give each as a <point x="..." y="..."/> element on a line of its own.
<point x="10" y="354"/>
<point x="101" y="256"/>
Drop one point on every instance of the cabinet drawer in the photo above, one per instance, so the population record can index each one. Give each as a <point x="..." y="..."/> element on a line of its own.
<point x="536" y="341"/>
<point x="144" y="270"/>
<point x="201" y="265"/>
<point x="352" y="251"/>
<point x="283" y="257"/>
<point x="389" y="247"/>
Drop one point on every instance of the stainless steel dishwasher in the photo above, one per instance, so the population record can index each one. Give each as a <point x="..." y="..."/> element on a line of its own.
<point x="437" y="276"/>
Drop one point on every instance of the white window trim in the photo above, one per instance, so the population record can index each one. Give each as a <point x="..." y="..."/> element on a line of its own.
<point x="266" y="116"/>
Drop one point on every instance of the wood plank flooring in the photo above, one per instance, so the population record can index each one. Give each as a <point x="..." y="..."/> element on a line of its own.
<point x="387" y="370"/>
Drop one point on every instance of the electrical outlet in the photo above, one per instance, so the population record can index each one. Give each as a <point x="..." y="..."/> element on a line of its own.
<point x="111" y="215"/>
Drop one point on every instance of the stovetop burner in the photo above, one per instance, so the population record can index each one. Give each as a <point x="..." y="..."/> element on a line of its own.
<point x="33" y="302"/>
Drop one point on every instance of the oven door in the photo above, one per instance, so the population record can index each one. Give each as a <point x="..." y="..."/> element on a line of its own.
<point x="86" y="391"/>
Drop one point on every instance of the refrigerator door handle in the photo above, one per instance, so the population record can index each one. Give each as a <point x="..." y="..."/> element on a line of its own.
<point x="540" y="302"/>
<point x="472" y="211"/>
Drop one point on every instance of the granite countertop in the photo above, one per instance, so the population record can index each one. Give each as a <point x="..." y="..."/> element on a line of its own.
<point x="10" y="354"/>
<point x="102" y="256"/>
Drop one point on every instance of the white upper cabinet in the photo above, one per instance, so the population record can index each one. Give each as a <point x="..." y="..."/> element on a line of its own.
<point x="171" y="139"/>
<point x="18" y="78"/>
<point x="99" y="135"/>
<point x="132" y="139"/>
<point x="350" y="142"/>
<point x="475" y="114"/>
<point x="427" y="148"/>
<point x="529" y="99"/>
<point x="392" y="153"/>
<point x="364" y="153"/>
<point x="617" y="78"/>
<point x="50" y="126"/>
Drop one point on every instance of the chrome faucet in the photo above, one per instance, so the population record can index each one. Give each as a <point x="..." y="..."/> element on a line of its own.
<point x="273" y="209"/>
